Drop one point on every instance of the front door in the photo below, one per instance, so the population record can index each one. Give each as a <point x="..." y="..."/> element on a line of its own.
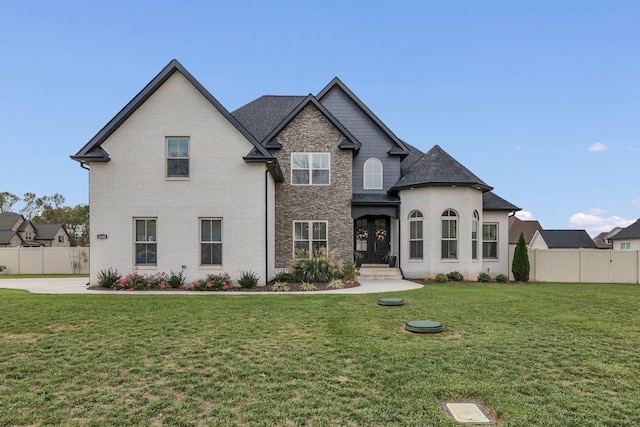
<point x="372" y="238"/>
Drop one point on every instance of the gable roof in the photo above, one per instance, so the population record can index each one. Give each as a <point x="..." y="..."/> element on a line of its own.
<point x="517" y="226"/>
<point x="6" y="236"/>
<point x="436" y="168"/>
<point x="8" y="220"/>
<point x="631" y="232"/>
<point x="566" y="239"/>
<point x="262" y="115"/>
<point x="400" y="148"/>
<point x="350" y="142"/>
<point x="48" y="231"/>
<point x="92" y="150"/>
<point x="492" y="202"/>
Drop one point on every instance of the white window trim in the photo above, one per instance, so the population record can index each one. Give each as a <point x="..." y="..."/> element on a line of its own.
<point x="372" y="161"/>
<point x="474" y="242"/>
<point x="412" y="220"/>
<point x="135" y="243"/>
<point x="167" y="158"/>
<point x="454" y="239"/>
<point x="310" y="240"/>
<point x="310" y="154"/>
<point x="200" y="242"/>
<point x="625" y="246"/>
<point x="491" y="241"/>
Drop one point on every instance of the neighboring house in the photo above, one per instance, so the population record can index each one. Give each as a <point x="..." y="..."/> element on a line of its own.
<point x="52" y="235"/>
<point x="179" y="183"/>
<point x="627" y="238"/>
<point x="603" y="240"/>
<point x="561" y="239"/>
<point x="16" y="230"/>
<point x="518" y="226"/>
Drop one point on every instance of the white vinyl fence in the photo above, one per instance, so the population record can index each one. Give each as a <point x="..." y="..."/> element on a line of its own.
<point x="42" y="260"/>
<point x="583" y="266"/>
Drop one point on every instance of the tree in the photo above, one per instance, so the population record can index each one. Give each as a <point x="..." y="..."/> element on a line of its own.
<point x="34" y="206"/>
<point x="7" y="200"/>
<point x="520" y="266"/>
<point x="75" y="220"/>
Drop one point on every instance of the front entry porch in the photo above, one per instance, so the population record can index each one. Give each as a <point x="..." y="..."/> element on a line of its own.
<point x="372" y="237"/>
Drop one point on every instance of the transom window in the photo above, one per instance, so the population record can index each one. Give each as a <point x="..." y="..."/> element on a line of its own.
<point x="310" y="168"/>
<point x="145" y="244"/>
<point x="490" y="241"/>
<point x="415" y="235"/>
<point x="177" y="157"/>
<point x="309" y="237"/>
<point x="474" y="235"/>
<point x="373" y="174"/>
<point x="210" y="241"/>
<point x="449" y="234"/>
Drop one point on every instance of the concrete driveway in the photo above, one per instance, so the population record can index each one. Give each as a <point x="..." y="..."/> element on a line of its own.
<point x="79" y="286"/>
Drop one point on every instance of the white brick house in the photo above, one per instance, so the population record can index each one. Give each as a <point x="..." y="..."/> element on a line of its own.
<point x="179" y="183"/>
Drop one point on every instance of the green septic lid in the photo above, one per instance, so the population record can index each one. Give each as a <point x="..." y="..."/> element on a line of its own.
<point x="424" y="326"/>
<point x="390" y="301"/>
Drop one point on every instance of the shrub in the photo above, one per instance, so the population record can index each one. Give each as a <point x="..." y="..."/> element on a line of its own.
<point x="131" y="281"/>
<point x="520" y="266"/>
<point x="349" y="272"/>
<point x="306" y="286"/>
<point x="213" y="282"/>
<point x="455" y="276"/>
<point x="248" y="279"/>
<point x="335" y="284"/>
<point x="175" y="280"/>
<point x="283" y="276"/>
<point x="2" y="268"/>
<point x="156" y="281"/>
<point x="107" y="278"/>
<point x="502" y="278"/>
<point x="280" y="287"/>
<point x="441" y="278"/>
<point x="484" y="278"/>
<point x="321" y="268"/>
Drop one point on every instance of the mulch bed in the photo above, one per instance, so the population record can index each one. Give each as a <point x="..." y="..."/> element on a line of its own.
<point x="268" y="288"/>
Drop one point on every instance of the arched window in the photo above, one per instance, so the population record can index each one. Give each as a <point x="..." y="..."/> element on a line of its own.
<point x="449" y="234"/>
<point x="415" y="235"/>
<point x="373" y="174"/>
<point x="474" y="235"/>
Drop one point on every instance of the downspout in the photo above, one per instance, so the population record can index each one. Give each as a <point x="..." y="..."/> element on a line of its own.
<point x="266" y="225"/>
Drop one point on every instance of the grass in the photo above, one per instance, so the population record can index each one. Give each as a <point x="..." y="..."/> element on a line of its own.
<point x="537" y="355"/>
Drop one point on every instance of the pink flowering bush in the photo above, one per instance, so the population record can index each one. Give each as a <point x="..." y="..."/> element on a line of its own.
<point x="213" y="282"/>
<point x="132" y="281"/>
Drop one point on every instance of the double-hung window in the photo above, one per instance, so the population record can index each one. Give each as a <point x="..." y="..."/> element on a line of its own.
<point x="310" y="168"/>
<point x="449" y="234"/>
<point x="309" y="237"/>
<point x="177" y="157"/>
<point x="415" y="235"/>
<point x="210" y="241"/>
<point x="474" y="235"/>
<point x="490" y="241"/>
<point x="146" y="241"/>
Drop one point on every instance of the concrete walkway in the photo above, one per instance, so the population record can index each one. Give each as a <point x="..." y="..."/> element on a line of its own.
<point x="79" y="286"/>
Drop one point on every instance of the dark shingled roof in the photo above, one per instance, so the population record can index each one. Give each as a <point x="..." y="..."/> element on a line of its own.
<point x="493" y="202"/>
<point x="414" y="155"/>
<point x="8" y="219"/>
<point x="46" y="231"/>
<point x="517" y="226"/>
<point x="6" y="236"/>
<point x="438" y="168"/>
<point x="631" y="232"/>
<point x="558" y="239"/>
<point x="375" y="198"/>
<point x="264" y="114"/>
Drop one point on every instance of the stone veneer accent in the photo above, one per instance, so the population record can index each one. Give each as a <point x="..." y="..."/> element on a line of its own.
<point x="311" y="132"/>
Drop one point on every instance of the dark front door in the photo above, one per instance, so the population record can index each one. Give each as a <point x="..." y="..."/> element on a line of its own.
<point x="372" y="238"/>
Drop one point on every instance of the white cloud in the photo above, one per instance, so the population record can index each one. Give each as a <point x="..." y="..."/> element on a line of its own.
<point x="595" y="223"/>
<point x="524" y="215"/>
<point x="598" y="146"/>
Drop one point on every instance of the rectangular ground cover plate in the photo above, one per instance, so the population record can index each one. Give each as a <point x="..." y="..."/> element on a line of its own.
<point x="468" y="412"/>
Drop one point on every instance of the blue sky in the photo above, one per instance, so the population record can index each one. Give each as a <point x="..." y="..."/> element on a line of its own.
<point x="540" y="99"/>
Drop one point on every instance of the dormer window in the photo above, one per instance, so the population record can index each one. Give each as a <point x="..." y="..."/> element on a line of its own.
<point x="373" y="174"/>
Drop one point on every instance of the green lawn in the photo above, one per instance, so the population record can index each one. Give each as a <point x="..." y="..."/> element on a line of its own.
<point x="537" y="355"/>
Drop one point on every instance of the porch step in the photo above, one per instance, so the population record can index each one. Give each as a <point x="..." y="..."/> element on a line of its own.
<point x="379" y="272"/>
